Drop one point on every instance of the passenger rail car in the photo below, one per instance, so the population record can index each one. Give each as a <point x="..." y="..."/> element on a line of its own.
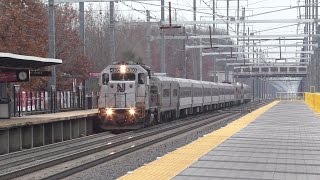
<point x="131" y="98"/>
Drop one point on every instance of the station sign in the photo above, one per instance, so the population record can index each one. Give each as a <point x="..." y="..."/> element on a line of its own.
<point x="40" y="73"/>
<point x="15" y="76"/>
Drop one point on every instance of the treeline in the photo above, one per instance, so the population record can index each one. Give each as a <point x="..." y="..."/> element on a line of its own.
<point x="24" y="30"/>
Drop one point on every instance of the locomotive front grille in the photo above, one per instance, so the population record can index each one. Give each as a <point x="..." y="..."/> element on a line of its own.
<point x="120" y="101"/>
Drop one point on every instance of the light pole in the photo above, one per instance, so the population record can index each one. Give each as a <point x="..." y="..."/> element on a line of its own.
<point x="51" y="28"/>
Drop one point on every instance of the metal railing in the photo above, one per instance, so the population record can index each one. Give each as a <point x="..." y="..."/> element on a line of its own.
<point x="41" y="102"/>
<point x="290" y="96"/>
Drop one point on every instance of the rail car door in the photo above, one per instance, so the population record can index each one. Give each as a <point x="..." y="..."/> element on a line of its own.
<point x="154" y="97"/>
<point x="142" y="88"/>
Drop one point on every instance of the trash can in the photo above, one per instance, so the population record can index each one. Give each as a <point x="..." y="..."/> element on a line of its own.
<point x="5" y="108"/>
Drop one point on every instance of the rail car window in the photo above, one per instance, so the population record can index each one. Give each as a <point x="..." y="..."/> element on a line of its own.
<point x="153" y="89"/>
<point x="227" y="92"/>
<point x="123" y="77"/>
<point x="221" y="91"/>
<point x="185" y="92"/>
<point x="215" y="91"/>
<point x="207" y="92"/>
<point x="175" y="92"/>
<point x="141" y="78"/>
<point x="105" y="78"/>
<point x="197" y="92"/>
<point x="166" y="93"/>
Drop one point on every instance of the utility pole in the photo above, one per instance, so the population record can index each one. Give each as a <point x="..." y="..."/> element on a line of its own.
<point x="253" y="50"/>
<point x="52" y="43"/>
<point x="317" y="49"/>
<point x="81" y="20"/>
<point x="306" y="42"/>
<point x="226" y="73"/>
<point x="227" y="16"/>
<point x="184" y="52"/>
<point x="244" y="32"/>
<point x="162" y="42"/>
<point x="213" y="16"/>
<point x="280" y="48"/>
<point x="195" y="60"/>
<point x="238" y="9"/>
<point x="113" y="46"/>
<point x="253" y="89"/>
<point x="148" y="38"/>
<point x="200" y="60"/>
<point x="194" y="15"/>
<point x="214" y="32"/>
<point x="175" y="14"/>
<point x="248" y="44"/>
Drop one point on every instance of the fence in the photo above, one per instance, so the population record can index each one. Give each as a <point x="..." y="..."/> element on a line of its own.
<point x="313" y="100"/>
<point x="39" y="102"/>
<point x="290" y="96"/>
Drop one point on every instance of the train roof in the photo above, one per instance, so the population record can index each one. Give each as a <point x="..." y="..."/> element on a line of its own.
<point x="182" y="80"/>
<point x="166" y="78"/>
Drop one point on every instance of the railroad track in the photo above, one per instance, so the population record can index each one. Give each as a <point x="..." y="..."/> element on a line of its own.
<point x="29" y="161"/>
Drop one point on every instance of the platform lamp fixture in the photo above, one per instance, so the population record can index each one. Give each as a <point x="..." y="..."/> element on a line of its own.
<point x="16" y="98"/>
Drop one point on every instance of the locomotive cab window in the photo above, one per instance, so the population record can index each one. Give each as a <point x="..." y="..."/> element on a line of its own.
<point x="105" y="78"/>
<point x="141" y="78"/>
<point x="123" y="77"/>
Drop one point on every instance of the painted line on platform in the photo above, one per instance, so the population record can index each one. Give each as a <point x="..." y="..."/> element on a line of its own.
<point x="175" y="162"/>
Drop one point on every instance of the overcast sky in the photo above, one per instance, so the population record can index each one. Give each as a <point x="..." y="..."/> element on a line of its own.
<point x="204" y="12"/>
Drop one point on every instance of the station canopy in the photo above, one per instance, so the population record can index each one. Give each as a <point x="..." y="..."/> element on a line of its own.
<point x="15" y="61"/>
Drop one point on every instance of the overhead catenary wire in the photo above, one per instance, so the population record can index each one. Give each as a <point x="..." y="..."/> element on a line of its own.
<point x="278" y="10"/>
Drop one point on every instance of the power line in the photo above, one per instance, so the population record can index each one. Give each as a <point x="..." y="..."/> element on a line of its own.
<point x="219" y="16"/>
<point x="257" y="2"/>
<point x="182" y="9"/>
<point x="267" y="12"/>
<point x="140" y="11"/>
<point x="147" y="9"/>
<point x="276" y="28"/>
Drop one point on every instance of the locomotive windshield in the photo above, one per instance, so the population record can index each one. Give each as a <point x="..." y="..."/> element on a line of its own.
<point x="123" y="77"/>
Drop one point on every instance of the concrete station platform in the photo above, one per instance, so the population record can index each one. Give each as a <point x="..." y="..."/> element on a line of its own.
<point x="14" y="122"/>
<point x="26" y="132"/>
<point x="278" y="141"/>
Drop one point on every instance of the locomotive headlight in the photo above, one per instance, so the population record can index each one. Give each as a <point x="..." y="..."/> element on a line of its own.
<point x="109" y="112"/>
<point x="132" y="111"/>
<point x="122" y="69"/>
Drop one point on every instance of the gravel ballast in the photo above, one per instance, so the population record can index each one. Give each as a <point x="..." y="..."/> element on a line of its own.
<point x="120" y="166"/>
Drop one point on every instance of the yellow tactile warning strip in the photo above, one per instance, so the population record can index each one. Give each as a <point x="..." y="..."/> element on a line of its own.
<point x="173" y="163"/>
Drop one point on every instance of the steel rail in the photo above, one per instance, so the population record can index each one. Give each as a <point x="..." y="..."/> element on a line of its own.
<point x="90" y="150"/>
<point x="104" y="146"/>
<point x="131" y="149"/>
<point x="70" y="146"/>
<point x="143" y="145"/>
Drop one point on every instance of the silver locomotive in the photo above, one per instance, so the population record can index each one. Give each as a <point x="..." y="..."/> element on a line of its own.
<point x="131" y="98"/>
